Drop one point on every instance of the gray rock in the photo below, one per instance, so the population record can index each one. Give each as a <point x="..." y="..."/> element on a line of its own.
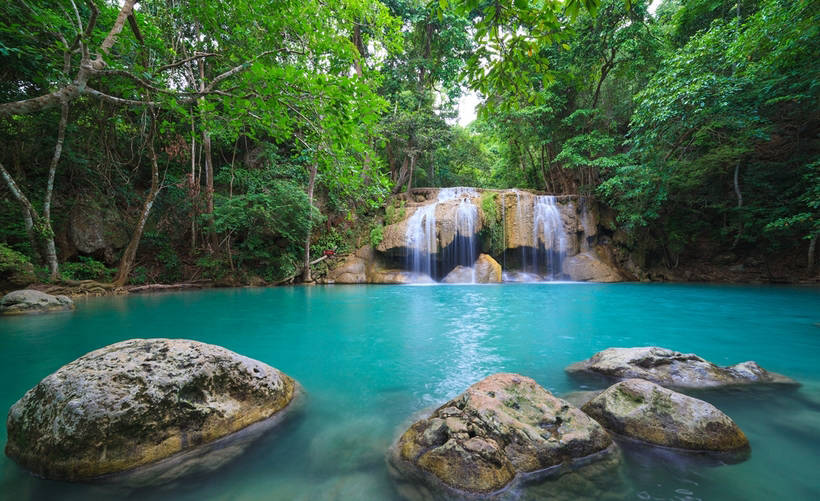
<point x="673" y="369"/>
<point x="94" y="229"/>
<point x="586" y="267"/>
<point x="33" y="301"/>
<point x="460" y="275"/>
<point x="137" y="402"/>
<point x="502" y="428"/>
<point x="651" y="413"/>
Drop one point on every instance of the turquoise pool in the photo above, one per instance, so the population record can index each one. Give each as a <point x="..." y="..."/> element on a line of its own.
<point x="370" y="357"/>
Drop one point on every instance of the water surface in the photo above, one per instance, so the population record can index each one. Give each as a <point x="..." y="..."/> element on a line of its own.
<point x="370" y="357"/>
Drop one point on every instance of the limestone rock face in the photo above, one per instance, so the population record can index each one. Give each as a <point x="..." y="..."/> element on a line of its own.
<point x="651" y="413"/>
<point x="94" y="229"/>
<point x="502" y="426"/>
<point x="586" y="267"/>
<point x="353" y="270"/>
<point x="138" y="401"/>
<point x="673" y="369"/>
<point x="33" y="301"/>
<point x="487" y="270"/>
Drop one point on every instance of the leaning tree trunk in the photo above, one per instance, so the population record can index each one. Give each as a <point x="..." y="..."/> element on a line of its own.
<point x="127" y="261"/>
<point x="311" y="183"/>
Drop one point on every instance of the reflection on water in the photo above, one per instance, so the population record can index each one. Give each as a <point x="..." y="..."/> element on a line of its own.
<point x="473" y="355"/>
<point x="370" y="358"/>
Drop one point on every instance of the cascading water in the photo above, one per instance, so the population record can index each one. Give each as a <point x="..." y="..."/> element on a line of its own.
<point x="549" y="240"/>
<point x="464" y="249"/>
<point x="422" y="239"/>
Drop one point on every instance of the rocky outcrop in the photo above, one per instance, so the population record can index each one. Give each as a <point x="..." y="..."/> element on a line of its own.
<point x="487" y="270"/>
<point x="648" y="412"/>
<point x="460" y="275"/>
<point x="517" y="208"/>
<point x="353" y="270"/>
<point x="98" y="230"/>
<point x="28" y="301"/>
<point x="673" y="369"/>
<point x="139" y="401"/>
<point x="503" y="426"/>
<point x="586" y="267"/>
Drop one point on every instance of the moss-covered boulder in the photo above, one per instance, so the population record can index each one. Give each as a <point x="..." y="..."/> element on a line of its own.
<point x="15" y="269"/>
<point x="503" y="426"/>
<point x="139" y="401"/>
<point x="645" y="411"/>
<point x="673" y="369"/>
<point x="28" y="301"/>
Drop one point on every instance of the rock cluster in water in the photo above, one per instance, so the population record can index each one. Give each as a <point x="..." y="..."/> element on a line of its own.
<point x="138" y="401"/>
<point x="33" y="301"/>
<point x="673" y="369"/>
<point x="648" y="412"/>
<point x="501" y="427"/>
<point x="132" y="406"/>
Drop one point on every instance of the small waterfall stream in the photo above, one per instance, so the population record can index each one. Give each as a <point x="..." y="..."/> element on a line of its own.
<point x="422" y="239"/>
<point x="549" y="240"/>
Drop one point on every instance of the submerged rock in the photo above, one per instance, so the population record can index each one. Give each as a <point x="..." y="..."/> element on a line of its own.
<point x="139" y="401"/>
<point x="648" y="412"/>
<point x="503" y="426"/>
<point x="673" y="369"/>
<point x="33" y="301"/>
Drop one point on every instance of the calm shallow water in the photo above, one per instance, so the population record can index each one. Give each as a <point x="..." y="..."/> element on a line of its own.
<point x="370" y="357"/>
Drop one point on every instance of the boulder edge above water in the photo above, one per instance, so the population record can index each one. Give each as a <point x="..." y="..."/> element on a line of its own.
<point x="673" y="369"/>
<point x="648" y="412"/>
<point x="504" y="426"/>
<point x="28" y="301"/>
<point x="136" y="402"/>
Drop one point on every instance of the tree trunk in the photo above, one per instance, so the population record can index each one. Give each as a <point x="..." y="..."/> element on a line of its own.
<point x="130" y="253"/>
<point x="48" y="232"/>
<point x="311" y="183"/>
<point x="739" y="204"/>
<point x="812" y="247"/>
<point x="209" y="189"/>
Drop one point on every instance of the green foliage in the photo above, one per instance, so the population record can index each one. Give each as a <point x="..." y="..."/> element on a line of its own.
<point x="376" y="235"/>
<point x="139" y="276"/>
<point x="15" y="268"/>
<point x="395" y="211"/>
<point x="493" y="231"/>
<point x="86" y="268"/>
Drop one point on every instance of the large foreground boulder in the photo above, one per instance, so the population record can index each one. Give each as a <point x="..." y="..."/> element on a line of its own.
<point x="502" y="426"/>
<point x="673" y="369"/>
<point x="33" y="301"/>
<point x="648" y="412"/>
<point x="138" y="401"/>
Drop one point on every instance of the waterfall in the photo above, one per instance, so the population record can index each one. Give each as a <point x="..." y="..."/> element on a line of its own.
<point x="464" y="249"/>
<point x="549" y="240"/>
<point x="422" y="239"/>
